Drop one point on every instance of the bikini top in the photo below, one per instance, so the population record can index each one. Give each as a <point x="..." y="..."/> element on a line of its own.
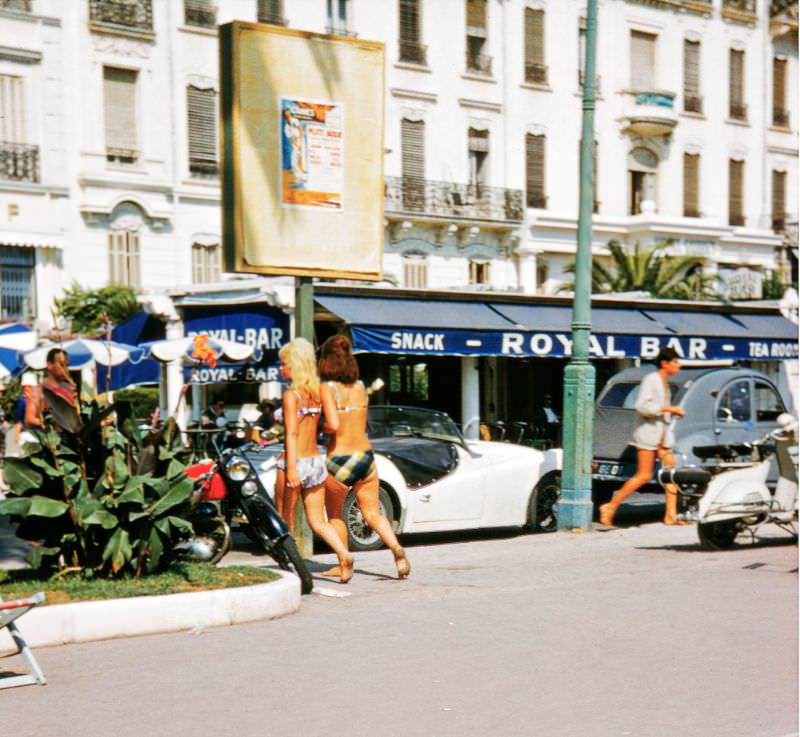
<point x="306" y="411"/>
<point x="335" y="390"/>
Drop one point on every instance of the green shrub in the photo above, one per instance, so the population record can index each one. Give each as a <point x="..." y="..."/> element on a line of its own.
<point x="143" y="400"/>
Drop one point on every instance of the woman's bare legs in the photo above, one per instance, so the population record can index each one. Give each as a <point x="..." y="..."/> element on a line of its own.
<point x="670" y="490"/>
<point x="314" y="501"/>
<point x="367" y="493"/>
<point x="280" y="492"/>
<point x="644" y="472"/>
<point x="335" y="493"/>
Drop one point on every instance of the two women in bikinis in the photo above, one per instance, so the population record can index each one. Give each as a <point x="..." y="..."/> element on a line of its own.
<point x="350" y="461"/>
<point x="303" y="465"/>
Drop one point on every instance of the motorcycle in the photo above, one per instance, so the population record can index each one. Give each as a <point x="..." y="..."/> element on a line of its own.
<point x="728" y="493"/>
<point x="227" y="487"/>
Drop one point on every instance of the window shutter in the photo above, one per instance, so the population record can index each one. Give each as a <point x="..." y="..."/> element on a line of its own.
<point x="478" y="140"/>
<point x="202" y="115"/>
<point x="534" y="36"/>
<point x="413" y="148"/>
<point x="778" y="200"/>
<point x="643" y="59"/>
<point x="270" y="11"/>
<point x="691" y="185"/>
<point x="134" y="260"/>
<point x="534" y="170"/>
<point x="735" y="194"/>
<point x="691" y="76"/>
<point x="12" y="120"/>
<point x="116" y="255"/>
<point x="779" y="92"/>
<point x="736" y="74"/>
<point x="119" y="89"/>
<point x="409" y="21"/>
<point x="476" y="18"/>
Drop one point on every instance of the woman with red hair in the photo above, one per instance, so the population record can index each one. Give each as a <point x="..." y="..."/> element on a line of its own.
<point x="351" y="464"/>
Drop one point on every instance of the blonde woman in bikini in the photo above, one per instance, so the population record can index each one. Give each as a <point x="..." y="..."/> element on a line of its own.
<point x="303" y="464"/>
<point x="351" y="464"/>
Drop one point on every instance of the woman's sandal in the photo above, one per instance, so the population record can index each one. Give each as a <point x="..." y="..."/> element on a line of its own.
<point x="347" y="569"/>
<point x="403" y="566"/>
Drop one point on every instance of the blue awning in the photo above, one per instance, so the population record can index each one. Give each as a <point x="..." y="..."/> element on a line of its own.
<point x="478" y="327"/>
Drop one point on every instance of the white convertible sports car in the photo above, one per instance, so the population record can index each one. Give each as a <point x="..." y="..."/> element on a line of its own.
<point x="433" y="480"/>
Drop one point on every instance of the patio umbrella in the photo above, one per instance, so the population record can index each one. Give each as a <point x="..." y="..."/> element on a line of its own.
<point x="17" y="337"/>
<point x="199" y="349"/>
<point x="84" y="351"/>
<point x="9" y="362"/>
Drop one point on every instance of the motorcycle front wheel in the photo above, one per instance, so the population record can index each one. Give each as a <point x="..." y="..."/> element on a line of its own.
<point x="287" y="556"/>
<point x="718" y="535"/>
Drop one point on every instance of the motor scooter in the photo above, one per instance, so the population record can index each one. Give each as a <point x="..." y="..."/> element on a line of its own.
<point x="228" y="487"/>
<point x="728" y="493"/>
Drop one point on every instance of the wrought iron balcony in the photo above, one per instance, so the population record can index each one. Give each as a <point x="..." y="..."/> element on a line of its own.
<point x="413" y="52"/>
<point x="450" y="199"/>
<point x="200" y="14"/>
<point x="535" y="73"/>
<point x="738" y="111"/>
<point x="778" y="223"/>
<point x="19" y="162"/>
<point x="134" y="15"/>
<point x="780" y="118"/>
<point x="24" y="6"/>
<point x="203" y="168"/>
<point x="123" y="156"/>
<point x="693" y="104"/>
<point x="536" y="200"/>
<point x="479" y="63"/>
<point x="742" y="11"/>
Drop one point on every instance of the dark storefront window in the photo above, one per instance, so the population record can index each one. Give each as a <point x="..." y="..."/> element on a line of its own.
<point x="17" y="294"/>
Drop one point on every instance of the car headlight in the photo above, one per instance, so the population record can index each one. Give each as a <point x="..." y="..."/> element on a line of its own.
<point x="249" y="488"/>
<point x="237" y="469"/>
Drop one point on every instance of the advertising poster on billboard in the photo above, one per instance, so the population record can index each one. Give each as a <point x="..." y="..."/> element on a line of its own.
<point x="302" y="152"/>
<point x="312" y="154"/>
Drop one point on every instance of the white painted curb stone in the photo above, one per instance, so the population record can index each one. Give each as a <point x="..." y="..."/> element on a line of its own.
<point x="85" y="621"/>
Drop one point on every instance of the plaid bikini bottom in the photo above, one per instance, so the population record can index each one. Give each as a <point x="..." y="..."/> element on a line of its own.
<point x="351" y="469"/>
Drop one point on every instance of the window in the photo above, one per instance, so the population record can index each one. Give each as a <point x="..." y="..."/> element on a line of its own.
<point x="477" y="38"/>
<point x="735" y="192"/>
<point x="119" y="96"/>
<point x="733" y="404"/>
<point x="478" y="156"/>
<point x="534" y="171"/>
<point x="130" y="14"/>
<point x="17" y="282"/>
<point x="206" y="263"/>
<point x="691" y="185"/>
<point x="411" y="50"/>
<point x="412" y="150"/>
<point x="24" y="6"/>
<point x="582" y="57"/>
<point x="19" y="161"/>
<point x="479" y="272"/>
<point x="737" y="110"/>
<point x="202" y="114"/>
<point x="535" y="68"/>
<point x="271" y="11"/>
<point x="415" y="271"/>
<point x="769" y="405"/>
<point x="780" y="115"/>
<point x="692" y="102"/>
<point x="337" y="17"/>
<point x="199" y="13"/>
<point x="642" y="168"/>
<point x="542" y="274"/>
<point x="778" y="201"/>
<point x="643" y="61"/>
<point x="124" y="259"/>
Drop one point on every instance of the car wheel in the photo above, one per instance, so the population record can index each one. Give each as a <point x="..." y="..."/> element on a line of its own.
<point x="360" y="535"/>
<point x="718" y="535"/>
<point x="542" y="515"/>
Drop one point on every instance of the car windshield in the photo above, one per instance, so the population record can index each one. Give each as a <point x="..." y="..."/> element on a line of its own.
<point x="386" y="422"/>
<point x="624" y="394"/>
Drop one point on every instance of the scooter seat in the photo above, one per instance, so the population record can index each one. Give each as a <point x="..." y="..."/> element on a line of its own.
<point x="688" y="476"/>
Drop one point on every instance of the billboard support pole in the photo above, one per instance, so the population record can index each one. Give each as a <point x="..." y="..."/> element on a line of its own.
<point x="303" y="328"/>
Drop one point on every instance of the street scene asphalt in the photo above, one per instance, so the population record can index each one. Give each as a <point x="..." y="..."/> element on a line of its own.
<point x="633" y="631"/>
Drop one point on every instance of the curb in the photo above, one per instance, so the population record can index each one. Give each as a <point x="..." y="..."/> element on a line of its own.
<point x="86" y="621"/>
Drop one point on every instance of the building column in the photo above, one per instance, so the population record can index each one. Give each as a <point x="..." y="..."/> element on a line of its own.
<point x="470" y="397"/>
<point x="172" y="376"/>
<point x="527" y="255"/>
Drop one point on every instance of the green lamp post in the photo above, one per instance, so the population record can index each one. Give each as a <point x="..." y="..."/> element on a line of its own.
<point x="575" y="503"/>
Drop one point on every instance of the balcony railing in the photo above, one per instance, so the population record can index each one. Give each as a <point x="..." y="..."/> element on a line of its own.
<point x="199" y="14"/>
<point x="738" y="111"/>
<point x="203" y="168"/>
<point x="19" y="162"/>
<point x="693" y="104"/>
<point x="742" y="6"/>
<point x="123" y="156"/>
<point x="780" y="118"/>
<point x="535" y="73"/>
<point x="136" y="15"/>
<point x="450" y="199"/>
<point x="536" y="200"/>
<point x="778" y="223"/>
<point x="479" y="63"/>
<point x="24" y="6"/>
<point x="413" y="52"/>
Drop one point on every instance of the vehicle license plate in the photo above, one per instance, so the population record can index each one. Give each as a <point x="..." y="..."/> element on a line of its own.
<point x="609" y="469"/>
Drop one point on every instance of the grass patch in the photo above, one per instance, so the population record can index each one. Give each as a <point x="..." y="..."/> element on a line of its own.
<point x="180" y="578"/>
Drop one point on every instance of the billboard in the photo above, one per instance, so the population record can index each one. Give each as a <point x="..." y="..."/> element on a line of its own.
<point x="302" y="152"/>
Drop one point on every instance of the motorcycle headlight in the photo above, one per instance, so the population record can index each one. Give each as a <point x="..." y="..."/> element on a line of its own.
<point x="249" y="488"/>
<point x="237" y="469"/>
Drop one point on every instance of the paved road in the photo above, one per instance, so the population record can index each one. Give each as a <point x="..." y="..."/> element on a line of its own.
<point x="631" y="632"/>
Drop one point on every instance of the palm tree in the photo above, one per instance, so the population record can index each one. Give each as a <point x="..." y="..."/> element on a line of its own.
<point x="650" y="270"/>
